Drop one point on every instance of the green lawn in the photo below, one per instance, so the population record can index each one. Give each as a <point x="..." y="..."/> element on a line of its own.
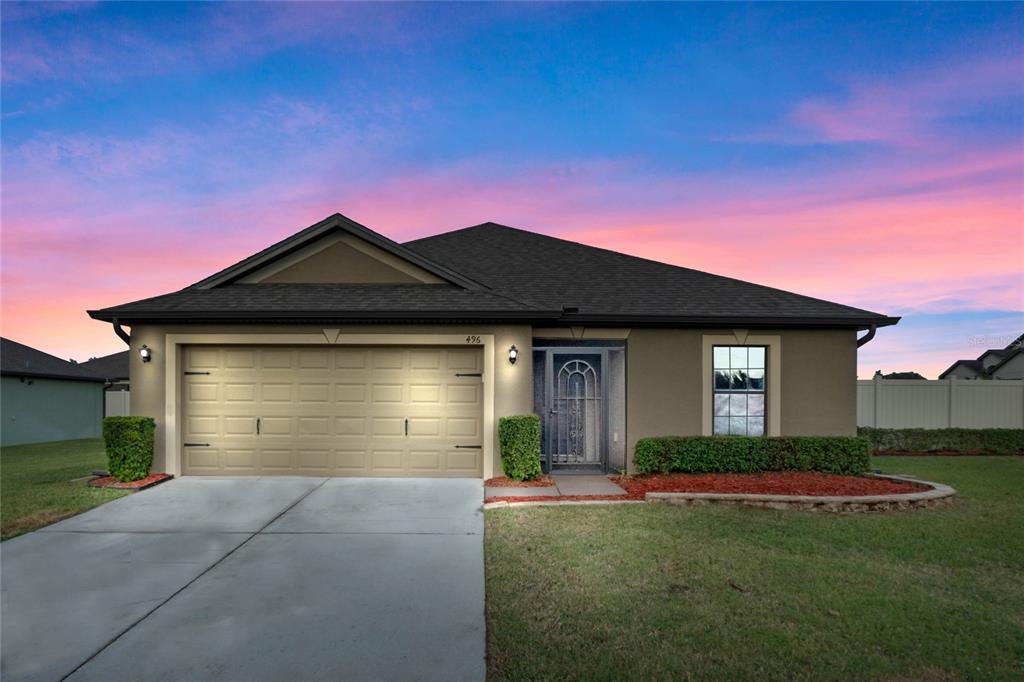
<point x="36" y="486"/>
<point x="659" y="592"/>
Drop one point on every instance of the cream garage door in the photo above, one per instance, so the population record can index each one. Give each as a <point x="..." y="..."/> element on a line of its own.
<point x="334" y="411"/>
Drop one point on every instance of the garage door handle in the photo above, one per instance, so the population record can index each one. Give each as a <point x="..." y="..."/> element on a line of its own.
<point x="257" y="426"/>
<point x="469" y="374"/>
<point x="407" y="427"/>
<point x="196" y="445"/>
<point x="470" y="447"/>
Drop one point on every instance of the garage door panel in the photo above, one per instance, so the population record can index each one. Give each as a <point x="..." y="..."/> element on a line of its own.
<point x="387" y="459"/>
<point x="425" y="460"/>
<point x="333" y="411"/>
<point x="240" y="426"/>
<point x="276" y="459"/>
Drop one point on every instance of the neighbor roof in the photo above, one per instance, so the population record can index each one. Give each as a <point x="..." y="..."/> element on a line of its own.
<point x="974" y="365"/>
<point x="110" y="367"/>
<point x="495" y="272"/>
<point x="17" y="359"/>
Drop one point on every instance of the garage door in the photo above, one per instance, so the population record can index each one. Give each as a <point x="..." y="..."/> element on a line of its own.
<point x="312" y="411"/>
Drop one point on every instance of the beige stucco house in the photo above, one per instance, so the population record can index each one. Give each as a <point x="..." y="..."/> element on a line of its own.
<point x="340" y="352"/>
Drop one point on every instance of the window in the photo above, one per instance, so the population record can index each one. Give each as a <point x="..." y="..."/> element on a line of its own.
<point x="739" y="390"/>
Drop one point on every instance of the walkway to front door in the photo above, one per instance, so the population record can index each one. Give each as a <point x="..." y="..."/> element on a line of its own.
<point x="282" y="578"/>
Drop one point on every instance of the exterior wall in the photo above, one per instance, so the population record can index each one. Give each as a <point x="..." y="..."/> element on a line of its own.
<point x="940" y="403"/>
<point x="49" y="409"/>
<point x="665" y="382"/>
<point x="1013" y="369"/>
<point x="513" y="384"/>
<point x="819" y="383"/>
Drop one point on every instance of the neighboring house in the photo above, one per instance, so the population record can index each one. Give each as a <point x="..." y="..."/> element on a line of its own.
<point x="994" y="363"/>
<point x="44" y="398"/>
<point x="114" y="370"/>
<point x="340" y="352"/>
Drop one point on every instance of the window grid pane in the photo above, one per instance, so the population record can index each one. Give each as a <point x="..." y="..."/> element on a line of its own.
<point x="739" y="383"/>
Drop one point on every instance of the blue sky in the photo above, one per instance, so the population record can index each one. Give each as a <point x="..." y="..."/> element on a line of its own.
<point x="867" y="153"/>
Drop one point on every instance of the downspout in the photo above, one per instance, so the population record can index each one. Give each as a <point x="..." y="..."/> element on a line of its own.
<point x="862" y="340"/>
<point x="121" y="333"/>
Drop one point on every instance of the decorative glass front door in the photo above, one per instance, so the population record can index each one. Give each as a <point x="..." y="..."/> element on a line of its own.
<point x="577" y="417"/>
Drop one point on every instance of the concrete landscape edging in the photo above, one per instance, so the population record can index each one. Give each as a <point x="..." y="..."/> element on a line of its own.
<point x="938" y="494"/>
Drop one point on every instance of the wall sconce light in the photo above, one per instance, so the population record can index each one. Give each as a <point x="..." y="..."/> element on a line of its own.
<point x="513" y="355"/>
<point x="145" y="353"/>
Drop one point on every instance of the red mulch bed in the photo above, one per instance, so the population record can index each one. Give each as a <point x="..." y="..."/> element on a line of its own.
<point x="769" y="483"/>
<point x="141" y="484"/>
<point x="544" y="481"/>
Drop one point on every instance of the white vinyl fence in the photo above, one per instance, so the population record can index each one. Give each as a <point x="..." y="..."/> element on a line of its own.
<point x="118" y="403"/>
<point x="938" y="404"/>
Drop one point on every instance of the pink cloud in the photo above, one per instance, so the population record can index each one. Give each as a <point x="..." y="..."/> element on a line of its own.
<point x="906" y="110"/>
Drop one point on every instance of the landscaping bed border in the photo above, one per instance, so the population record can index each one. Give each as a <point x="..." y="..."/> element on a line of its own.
<point x="939" y="493"/>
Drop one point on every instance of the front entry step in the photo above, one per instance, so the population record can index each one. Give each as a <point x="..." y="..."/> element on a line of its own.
<point x="575" y="484"/>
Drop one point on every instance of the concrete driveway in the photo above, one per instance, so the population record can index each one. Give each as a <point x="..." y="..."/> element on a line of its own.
<point x="255" y="579"/>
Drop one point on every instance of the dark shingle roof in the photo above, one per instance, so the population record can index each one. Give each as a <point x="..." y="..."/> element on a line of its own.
<point x="17" y="359"/>
<point x="499" y="272"/>
<point x="110" y="367"/>
<point x="969" y="364"/>
<point x="325" y="300"/>
<point x="605" y="284"/>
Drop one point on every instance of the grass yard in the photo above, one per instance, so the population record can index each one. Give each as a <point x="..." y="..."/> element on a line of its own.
<point x="657" y="592"/>
<point x="36" y="486"/>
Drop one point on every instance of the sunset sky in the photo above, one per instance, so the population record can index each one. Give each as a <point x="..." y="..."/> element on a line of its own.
<point x="871" y="154"/>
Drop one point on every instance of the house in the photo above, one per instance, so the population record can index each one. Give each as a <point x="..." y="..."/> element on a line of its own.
<point x="994" y="363"/>
<point x="340" y="352"/>
<point x="113" y="369"/>
<point x="44" y="398"/>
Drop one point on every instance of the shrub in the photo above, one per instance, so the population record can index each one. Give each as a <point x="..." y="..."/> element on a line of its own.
<point x="129" y="443"/>
<point x="519" y="437"/>
<point x="740" y="454"/>
<point x="991" y="441"/>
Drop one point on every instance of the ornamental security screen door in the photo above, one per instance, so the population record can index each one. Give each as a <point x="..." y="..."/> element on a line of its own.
<point x="573" y="399"/>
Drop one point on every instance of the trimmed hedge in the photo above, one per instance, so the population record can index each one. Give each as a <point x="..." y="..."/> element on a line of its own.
<point x="991" y="441"/>
<point x="519" y="437"/>
<point x="744" y="454"/>
<point x="129" y="442"/>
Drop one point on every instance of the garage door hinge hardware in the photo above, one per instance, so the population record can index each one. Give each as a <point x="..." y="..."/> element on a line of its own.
<point x="470" y="374"/>
<point x="470" y="447"/>
<point x="193" y="373"/>
<point x="197" y="445"/>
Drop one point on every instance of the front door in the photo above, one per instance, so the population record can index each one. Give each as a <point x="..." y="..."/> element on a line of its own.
<point x="574" y="419"/>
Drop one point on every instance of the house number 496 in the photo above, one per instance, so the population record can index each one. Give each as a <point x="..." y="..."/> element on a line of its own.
<point x="472" y="339"/>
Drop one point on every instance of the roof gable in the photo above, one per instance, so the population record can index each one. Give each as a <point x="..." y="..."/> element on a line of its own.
<point x="337" y="250"/>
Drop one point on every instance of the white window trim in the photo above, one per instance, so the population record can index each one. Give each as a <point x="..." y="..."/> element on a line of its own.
<point x="773" y="377"/>
<point x="329" y="337"/>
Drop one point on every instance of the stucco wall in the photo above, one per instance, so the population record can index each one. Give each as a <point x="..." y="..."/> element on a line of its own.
<point x="665" y="382"/>
<point x="48" y="409"/>
<point x="513" y="387"/>
<point x="664" y="376"/>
